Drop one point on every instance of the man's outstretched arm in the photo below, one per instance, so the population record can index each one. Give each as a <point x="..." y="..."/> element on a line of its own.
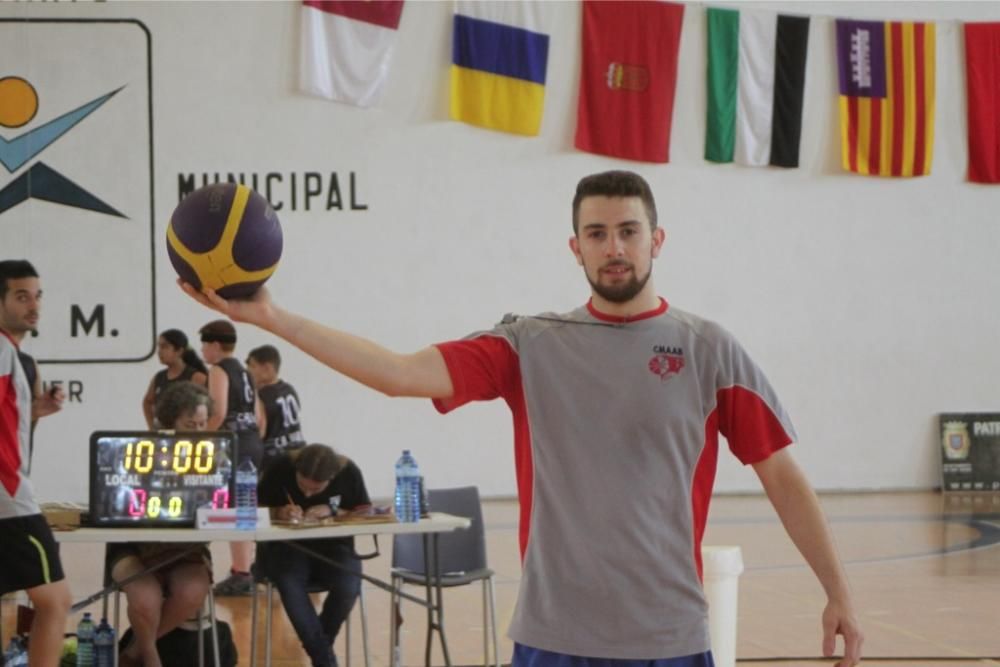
<point x="798" y="507"/>
<point x="421" y="374"/>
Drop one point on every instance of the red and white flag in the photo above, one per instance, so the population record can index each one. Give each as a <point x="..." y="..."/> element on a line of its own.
<point x="347" y="48"/>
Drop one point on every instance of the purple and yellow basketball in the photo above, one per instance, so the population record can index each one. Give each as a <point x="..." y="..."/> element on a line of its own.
<point x="224" y="236"/>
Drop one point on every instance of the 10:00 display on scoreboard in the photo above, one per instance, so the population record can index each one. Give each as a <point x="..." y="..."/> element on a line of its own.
<point x="158" y="478"/>
<point x="140" y="456"/>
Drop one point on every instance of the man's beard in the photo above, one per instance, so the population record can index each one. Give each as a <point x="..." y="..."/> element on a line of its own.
<point x="23" y="329"/>
<point x="622" y="292"/>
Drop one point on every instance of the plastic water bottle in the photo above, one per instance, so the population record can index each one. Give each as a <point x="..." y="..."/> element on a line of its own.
<point x="246" y="495"/>
<point x="407" y="489"/>
<point x="16" y="654"/>
<point x="104" y="644"/>
<point x="85" y="642"/>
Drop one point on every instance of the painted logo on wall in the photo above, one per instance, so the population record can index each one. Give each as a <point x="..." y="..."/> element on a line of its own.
<point x="18" y="106"/>
<point x="76" y="182"/>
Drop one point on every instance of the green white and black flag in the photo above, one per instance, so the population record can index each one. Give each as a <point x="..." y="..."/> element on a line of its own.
<point x="756" y="81"/>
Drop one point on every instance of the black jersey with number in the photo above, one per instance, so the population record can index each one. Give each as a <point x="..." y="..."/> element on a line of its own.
<point x="281" y="405"/>
<point x="241" y="417"/>
<point x="161" y="380"/>
<point x="240" y="414"/>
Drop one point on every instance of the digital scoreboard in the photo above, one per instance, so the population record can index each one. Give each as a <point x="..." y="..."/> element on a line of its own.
<point x="159" y="478"/>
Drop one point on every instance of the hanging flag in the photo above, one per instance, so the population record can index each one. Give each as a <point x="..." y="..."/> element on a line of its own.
<point x="499" y="58"/>
<point x="756" y="81"/>
<point x="886" y="96"/>
<point x="347" y="48"/>
<point x="627" y="78"/>
<point x="982" y="70"/>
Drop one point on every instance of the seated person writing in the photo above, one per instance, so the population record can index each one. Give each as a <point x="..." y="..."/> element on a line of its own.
<point x="160" y="601"/>
<point x="304" y="485"/>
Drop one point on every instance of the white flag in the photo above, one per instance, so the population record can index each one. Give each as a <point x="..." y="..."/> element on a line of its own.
<point x="347" y="48"/>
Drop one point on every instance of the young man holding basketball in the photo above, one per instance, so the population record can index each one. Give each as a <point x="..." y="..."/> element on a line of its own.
<point x="625" y="395"/>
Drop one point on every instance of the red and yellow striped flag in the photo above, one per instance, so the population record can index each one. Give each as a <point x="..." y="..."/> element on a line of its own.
<point x="886" y="96"/>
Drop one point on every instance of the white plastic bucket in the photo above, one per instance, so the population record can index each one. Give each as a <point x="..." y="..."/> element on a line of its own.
<point x="722" y="567"/>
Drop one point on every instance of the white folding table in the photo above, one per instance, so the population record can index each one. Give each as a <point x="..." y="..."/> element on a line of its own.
<point x="429" y="527"/>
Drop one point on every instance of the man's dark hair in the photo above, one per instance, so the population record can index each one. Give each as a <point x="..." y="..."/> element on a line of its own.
<point x="266" y="354"/>
<point x="178" y="399"/>
<point x="614" y="184"/>
<point x="318" y="462"/>
<point x="14" y="269"/>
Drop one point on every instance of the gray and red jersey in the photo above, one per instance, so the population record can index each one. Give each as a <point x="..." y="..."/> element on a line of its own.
<point x="17" y="497"/>
<point x="616" y="427"/>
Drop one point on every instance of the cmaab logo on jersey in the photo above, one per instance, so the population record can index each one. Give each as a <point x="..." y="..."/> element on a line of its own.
<point x="76" y="181"/>
<point x="18" y="106"/>
<point x="666" y="362"/>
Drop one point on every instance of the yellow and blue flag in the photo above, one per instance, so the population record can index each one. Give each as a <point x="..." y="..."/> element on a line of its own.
<point x="499" y="59"/>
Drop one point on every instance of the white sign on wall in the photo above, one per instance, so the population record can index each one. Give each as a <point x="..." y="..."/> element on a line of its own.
<point x="76" y="181"/>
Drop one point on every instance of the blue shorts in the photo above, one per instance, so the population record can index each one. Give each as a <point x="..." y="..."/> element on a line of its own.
<point x="525" y="656"/>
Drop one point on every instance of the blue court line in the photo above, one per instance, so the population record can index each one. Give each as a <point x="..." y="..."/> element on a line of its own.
<point x="988" y="526"/>
<point x="868" y="518"/>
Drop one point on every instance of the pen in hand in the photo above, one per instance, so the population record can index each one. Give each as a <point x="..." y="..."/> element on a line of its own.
<point x="293" y="507"/>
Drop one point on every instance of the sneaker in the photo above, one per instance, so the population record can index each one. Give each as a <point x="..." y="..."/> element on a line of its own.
<point x="236" y="584"/>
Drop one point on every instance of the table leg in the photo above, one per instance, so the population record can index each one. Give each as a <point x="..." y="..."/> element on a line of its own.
<point x="435" y="598"/>
<point x="215" y="627"/>
<point x="117" y="626"/>
<point x="440" y="599"/>
<point x="254" y="610"/>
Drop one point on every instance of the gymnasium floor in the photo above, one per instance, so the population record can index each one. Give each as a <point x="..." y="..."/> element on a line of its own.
<point x="925" y="569"/>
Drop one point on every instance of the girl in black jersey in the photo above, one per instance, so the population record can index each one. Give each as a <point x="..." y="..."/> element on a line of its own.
<point x="182" y="365"/>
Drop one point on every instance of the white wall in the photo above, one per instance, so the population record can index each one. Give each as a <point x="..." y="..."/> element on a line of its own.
<point x="870" y="303"/>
